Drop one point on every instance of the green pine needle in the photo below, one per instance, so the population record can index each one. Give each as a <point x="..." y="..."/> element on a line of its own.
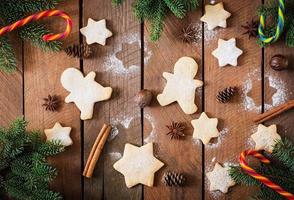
<point x="155" y="12"/>
<point x="280" y="171"/>
<point x="14" y="10"/>
<point x="26" y="173"/>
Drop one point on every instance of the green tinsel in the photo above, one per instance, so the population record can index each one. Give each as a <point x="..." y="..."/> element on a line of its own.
<point x="24" y="172"/>
<point x="155" y="11"/>
<point x="14" y="10"/>
<point x="270" y="10"/>
<point x="280" y="171"/>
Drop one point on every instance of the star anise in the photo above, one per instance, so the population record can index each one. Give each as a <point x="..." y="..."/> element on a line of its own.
<point x="176" y="130"/>
<point x="52" y="103"/>
<point x="189" y="34"/>
<point x="251" y="28"/>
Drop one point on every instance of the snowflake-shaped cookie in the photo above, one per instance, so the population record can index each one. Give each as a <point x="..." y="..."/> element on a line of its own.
<point x="59" y="133"/>
<point x="227" y="53"/>
<point x="266" y="137"/>
<point x="138" y="165"/>
<point x="215" y="15"/>
<point x="96" y="32"/>
<point x="205" y="128"/>
<point x="220" y="179"/>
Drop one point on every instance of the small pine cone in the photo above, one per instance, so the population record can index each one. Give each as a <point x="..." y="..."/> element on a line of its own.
<point x="78" y="50"/>
<point x="226" y="94"/>
<point x="173" y="179"/>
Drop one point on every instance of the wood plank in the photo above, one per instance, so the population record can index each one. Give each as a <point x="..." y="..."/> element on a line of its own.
<point x="42" y="73"/>
<point x="178" y="155"/>
<point x="11" y="88"/>
<point x="279" y="87"/>
<point x="234" y="118"/>
<point x="117" y="65"/>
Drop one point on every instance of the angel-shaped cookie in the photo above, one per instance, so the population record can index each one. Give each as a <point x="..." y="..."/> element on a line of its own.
<point x="181" y="85"/>
<point x="84" y="91"/>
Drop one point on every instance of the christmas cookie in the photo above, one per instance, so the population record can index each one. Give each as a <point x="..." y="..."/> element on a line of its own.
<point x="215" y="15"/>
<point x="205" y="128"/>
<point x="59" y="133"/>
<point x="181" y="85"/>
<point x="220" y="179"/>
<point x="227" y="53"/>
<point x="266" y="137"/>
<point x="96" y="32"/>
<point x="84" y="91"/>
<point x="138" y="165"/>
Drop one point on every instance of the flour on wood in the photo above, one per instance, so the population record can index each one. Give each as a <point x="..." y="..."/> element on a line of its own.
<point x="281" y="94"/>
<point x="114" y="132"/>
<point x="279" y="97"/>
<point x="220" y="138"/>
<point x="115" y="65"/>
<point x="124" y="119"/>
<point x="152" y="135"/>
<point x="115" y="155"/>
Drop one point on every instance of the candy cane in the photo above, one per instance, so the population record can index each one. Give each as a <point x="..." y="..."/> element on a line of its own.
<point x="259" y="177"/>
<point x="280" y="26"/>
<point x="40" y="15"/>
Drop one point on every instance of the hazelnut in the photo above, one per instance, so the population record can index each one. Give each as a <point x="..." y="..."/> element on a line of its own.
<point x="279" y="62"/>
<point x="143" y="98"/>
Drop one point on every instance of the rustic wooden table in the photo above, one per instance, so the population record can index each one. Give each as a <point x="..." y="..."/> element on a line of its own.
<point x="130" y="62"/>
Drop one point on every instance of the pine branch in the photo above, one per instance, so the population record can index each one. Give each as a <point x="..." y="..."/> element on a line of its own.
<point x="155" y="12"/>
<point x="177" y="7"/>
<point x="284" y="150"/>
<point x="7" y="57"/>
<point x="34" y="33"/>
<point x="26" y="173"/>
<point x="157" y="22"/>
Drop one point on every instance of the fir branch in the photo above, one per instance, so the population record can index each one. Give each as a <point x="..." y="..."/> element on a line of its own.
<point x="34" y="33"/>
<point x="284" y="150"/>
<point x="157" y="22"/>
<point x="7" y="57"/>
<point x="116" y="2"/>
<point x="177" y="7"/>
<point x="26" y="174"/>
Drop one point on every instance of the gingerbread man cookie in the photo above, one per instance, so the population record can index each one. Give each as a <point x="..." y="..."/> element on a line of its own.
<point x="84" y="91"/>
<point x="181" y="85"/>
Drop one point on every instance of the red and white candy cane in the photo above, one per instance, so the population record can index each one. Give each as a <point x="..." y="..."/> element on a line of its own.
<point x="259" y="177"/>
<point x="40" y="15"/>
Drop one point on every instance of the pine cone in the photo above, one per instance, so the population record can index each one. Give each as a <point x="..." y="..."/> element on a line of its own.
<point x="226" y="94"/>
<point x="173" y="179"/>
<point x="78" y="50"/>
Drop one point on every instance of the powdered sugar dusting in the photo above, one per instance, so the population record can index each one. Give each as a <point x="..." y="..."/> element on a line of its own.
<point x="115" y="65"/>
<point x="220" y="138"/>
<point x="114" y="132"/>
<point x="279" y="97"/>
<point x="115" y="155"/>
<point x="124" y="119"/>
<point x="152" y="136"/>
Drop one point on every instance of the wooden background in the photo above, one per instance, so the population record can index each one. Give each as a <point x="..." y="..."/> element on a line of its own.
<point x="131" y="62"/>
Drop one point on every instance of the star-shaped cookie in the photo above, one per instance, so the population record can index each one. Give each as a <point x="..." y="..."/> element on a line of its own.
<point x="220" y="179"/>
<point x="215" y="15"/>
<point x="227" y="53"/>
<point x="59" y="133"/>
<point x="266" y="137"/>
<point x="138" y="165"/>
<point x="205" y="128"/>
<point x="96" y="32"/>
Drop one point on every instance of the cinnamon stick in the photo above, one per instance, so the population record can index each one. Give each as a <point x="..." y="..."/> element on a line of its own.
<point x="102" y="133"/>
<point x="274" y="112"/>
